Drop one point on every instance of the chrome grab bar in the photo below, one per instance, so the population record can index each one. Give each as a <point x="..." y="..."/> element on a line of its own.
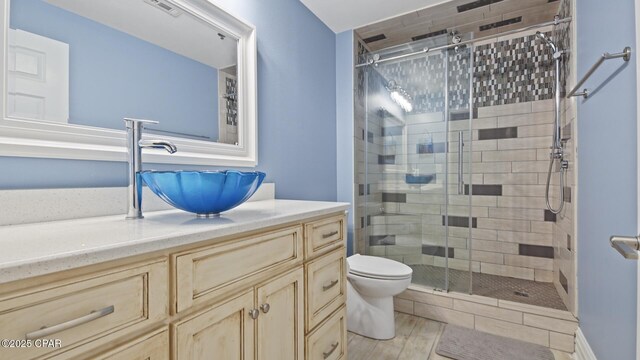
<point x="460" y="163"/>
<point x="50" y="330"/>
<point x="625" y="55"/>
<point x="627" y="246"/>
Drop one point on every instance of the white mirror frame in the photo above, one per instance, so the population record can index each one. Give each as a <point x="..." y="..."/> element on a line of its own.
<point x="41" y="139"/>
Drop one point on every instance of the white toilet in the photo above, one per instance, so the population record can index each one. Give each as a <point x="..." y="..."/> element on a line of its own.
<point x="373" y="281"/>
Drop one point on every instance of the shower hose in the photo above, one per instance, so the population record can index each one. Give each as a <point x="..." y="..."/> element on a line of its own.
<point x="562" y="170"/>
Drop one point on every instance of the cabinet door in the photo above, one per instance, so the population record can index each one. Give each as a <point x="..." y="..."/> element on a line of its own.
<point x="153" y="346"/>
<point x="224" y="332"/>
<point x="281" y="320"/>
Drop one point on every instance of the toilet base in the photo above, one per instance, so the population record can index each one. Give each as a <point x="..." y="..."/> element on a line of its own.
<point x="370" y="316"/>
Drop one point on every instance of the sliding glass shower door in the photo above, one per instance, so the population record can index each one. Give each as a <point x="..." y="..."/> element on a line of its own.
<point x="417" y="155"/>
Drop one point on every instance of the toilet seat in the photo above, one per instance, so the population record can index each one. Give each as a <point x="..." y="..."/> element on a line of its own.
<point x="376" y="267"/>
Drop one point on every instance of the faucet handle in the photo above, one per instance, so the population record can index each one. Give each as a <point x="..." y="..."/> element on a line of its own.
<point x="130" y="122"/>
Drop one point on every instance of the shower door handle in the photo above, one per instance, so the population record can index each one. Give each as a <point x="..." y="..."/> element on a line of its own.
<point x="460" y="163"/>
<point x="627" y="246"/>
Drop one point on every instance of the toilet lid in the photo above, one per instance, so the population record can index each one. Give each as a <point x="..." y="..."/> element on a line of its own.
<point x="377" y="267"/>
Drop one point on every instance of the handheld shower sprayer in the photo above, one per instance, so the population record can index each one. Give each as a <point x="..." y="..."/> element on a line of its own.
<point x="557" y="150"/>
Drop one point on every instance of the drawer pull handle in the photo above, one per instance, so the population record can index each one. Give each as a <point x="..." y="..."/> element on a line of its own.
<point x="49" y="330"/>
<point x="254" y="313"/>
<point x="265" y="308"/>
<point x="328" y="235"/>
<point x="328" y="286"/>
<point x="334" y="346"/>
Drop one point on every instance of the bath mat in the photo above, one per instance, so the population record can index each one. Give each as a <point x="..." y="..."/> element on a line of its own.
<point x="466" y="344"/>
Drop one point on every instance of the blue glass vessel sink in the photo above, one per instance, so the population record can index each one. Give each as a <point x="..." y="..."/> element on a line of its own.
<point x="206" y="193"/>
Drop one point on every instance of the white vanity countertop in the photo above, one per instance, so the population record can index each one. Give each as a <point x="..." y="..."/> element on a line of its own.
<point x="37" y="249"/>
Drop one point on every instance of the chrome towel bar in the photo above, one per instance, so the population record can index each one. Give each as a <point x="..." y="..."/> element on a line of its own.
<point x="625" y="55"/>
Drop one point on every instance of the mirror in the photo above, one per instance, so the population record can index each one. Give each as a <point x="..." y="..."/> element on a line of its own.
<point x="80" y="66"/>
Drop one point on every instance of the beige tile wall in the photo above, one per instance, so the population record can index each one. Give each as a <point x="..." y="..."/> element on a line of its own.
<point x="503" y="222"/>
<point x="517" y="217"/>
<point x="547" y="327"/>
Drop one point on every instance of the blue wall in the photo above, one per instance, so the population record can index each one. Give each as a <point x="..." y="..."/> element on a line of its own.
<point x="113" y="75"/>
<point x="296" y="111"/>
<point x="345" y="126"/>
<point x="607" y="192"/>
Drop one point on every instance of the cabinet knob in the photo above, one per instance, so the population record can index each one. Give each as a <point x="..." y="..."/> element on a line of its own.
<point x="265" y="308"/>
<point x="254" y="313"/>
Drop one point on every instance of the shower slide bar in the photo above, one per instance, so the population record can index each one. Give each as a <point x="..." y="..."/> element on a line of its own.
<point x="555" y="21"/>
<point x="625" y="55"/>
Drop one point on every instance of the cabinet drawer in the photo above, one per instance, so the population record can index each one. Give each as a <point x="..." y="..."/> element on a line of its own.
<point x="153" y="346"/>
<point x="324" y="235"/>
<point x="80" y="311"/>
<point x="204" y="274"/>
<point x="329" y="341"/>
<point x="326" y="287"/>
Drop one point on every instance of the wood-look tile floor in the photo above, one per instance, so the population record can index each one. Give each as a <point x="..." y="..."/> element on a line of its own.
<point x="416" y="339"/>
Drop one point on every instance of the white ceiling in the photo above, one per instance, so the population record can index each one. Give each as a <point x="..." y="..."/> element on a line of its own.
<point x="341" y="15"/>
<point x="184" y="34"/>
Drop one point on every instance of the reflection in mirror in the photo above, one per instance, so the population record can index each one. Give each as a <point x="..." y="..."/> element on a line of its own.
<point x="95" y="62"/>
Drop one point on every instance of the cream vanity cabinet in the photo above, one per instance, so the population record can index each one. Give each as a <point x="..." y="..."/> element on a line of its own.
<point x="273" y="294"/>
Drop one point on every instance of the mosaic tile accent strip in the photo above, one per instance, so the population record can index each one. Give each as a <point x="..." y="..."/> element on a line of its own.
<point x="428" y="35"/>
<point x="563" y="281"/>
<point x="498" y="133"/>
<point x="535" y="250"/>
<point x="393" y="197"/>
<point x="504" y="71"/>
<point x="484" y="190"/>
<point x="502" y="74"/>
<point x="431" y="148"/>
<point x="567" y="194"/>
<point x="460" y="221"/>
<point x="459" y="115"/>
<point x="374" y="38"/>
<point x="386" y="159"/>
<point x="361" y="53"/>
<point x="424" y="79"/>
<point x="475" y="4"/>
<point x="231" y="104"/>
<point x="438" y="251"/>
<point x="382" y="240"/>
<point x="392" y="130"/>
<point x="549" y="216"/>
<point x="562" y="36"/>
<point x="501" y="23"/>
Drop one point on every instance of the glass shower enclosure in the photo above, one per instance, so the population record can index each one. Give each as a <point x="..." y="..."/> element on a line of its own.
<point x="417" y="161"/>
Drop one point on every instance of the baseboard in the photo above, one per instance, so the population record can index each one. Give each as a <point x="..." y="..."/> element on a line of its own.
<point x="583" y="350"/>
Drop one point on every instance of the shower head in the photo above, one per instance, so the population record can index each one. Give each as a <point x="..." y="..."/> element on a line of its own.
<point x="542" y="37"/>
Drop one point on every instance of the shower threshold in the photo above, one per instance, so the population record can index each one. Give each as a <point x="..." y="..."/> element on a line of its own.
<point x="498" y="287"/>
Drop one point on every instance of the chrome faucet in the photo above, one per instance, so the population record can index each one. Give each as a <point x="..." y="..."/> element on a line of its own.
<point x="134" y="157"/>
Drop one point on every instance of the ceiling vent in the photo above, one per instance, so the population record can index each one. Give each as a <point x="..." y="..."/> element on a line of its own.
<point x="165" y="6"/>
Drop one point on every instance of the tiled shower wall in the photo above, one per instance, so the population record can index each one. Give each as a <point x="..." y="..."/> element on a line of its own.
<point x="564" y="238"/>
<point x="513" y="234"/>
